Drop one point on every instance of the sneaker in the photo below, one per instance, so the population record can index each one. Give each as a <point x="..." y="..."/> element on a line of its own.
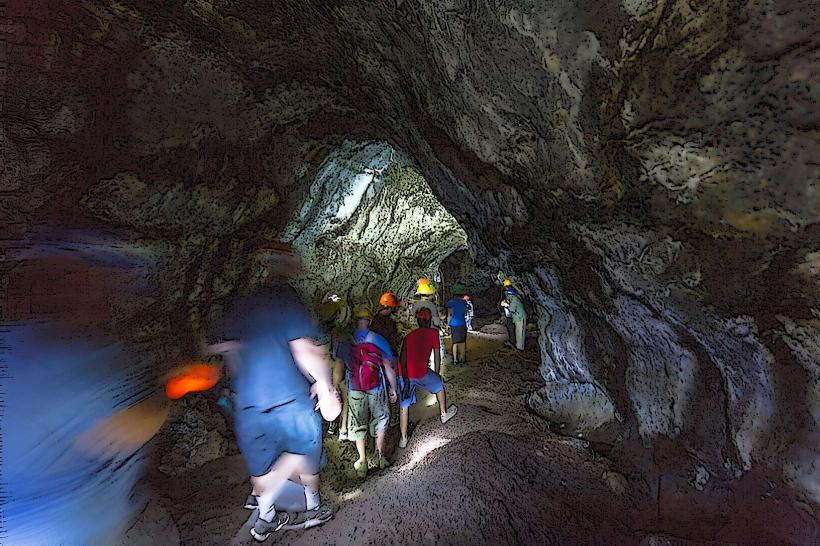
<point x="361" y="468"/>
<point x="381" y="461"/>
<point x="309" y="518"/>
<point x="251" y="503"/>
<point x="403" y="443"/>
<point x="262" y="529"/>
<point x="451" y="412"/>
<point x="333" y="428"/>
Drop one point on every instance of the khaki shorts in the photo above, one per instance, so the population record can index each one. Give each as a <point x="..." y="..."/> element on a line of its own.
<point x="367" y="411"/>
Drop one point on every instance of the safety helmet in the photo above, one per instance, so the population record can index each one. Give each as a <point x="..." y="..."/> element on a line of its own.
<point x="458" y="289"/>
<point x="510" y="291"/>
<point x="507" y="282"/>
<point x="424" y="313"/>
<point x="425" y="288"/>
<point x="362" y="311"/>
<point x="389" y="299"/>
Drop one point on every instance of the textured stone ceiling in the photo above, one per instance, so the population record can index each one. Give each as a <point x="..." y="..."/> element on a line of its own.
<point x="646" y="169"/>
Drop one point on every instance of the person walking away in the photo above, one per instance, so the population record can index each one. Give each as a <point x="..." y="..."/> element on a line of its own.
<point x="414" y="372"/>
<point x="425" y="293"/>
<point x="384" y="324"/>
<point x="506" y="316"/>
<point x="282" y="377"/>
<point x="337" y="340"/>
<point x="457" y="308"/>
<point x="518" y="315"/>
<point x="469" y="313"/>
<point x="370" y="368"/>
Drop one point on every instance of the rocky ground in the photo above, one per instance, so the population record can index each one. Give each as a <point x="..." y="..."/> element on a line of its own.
<point x="495" y="474"/>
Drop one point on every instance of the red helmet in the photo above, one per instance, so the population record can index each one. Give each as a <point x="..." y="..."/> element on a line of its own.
<point x="389" y="299"/>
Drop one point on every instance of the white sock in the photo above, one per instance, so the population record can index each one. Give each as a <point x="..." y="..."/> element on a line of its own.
<point x="267" y="511"/>
<point x="311" y="498"/>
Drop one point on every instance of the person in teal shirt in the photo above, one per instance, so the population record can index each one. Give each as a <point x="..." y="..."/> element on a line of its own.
<point x="512" y="301"/>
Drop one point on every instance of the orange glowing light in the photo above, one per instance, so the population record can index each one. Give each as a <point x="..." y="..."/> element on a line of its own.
<point x="194" y="377"/>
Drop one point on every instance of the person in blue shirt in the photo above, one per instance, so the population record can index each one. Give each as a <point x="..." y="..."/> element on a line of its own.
<point x="279" y="371"/>
<point x="457" y="309"/>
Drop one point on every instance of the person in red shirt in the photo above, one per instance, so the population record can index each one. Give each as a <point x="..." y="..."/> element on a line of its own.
<point x="415" y="372"/>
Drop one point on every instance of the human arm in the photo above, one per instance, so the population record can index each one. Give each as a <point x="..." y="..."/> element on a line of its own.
<point x="391" y="380"/>
<point x="338" y="371"/>
<point x="312" y="363"/>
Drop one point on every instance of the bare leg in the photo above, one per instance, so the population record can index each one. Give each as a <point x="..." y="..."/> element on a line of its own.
<point x="404" y="418"/>
<point x="269" y="485"/>
<point x="442" y="401"/>
<point x="380" y="441"/>
<point x="360" y="446"/>
<point x="343" y="424"/>
<point x="311" y="483"/>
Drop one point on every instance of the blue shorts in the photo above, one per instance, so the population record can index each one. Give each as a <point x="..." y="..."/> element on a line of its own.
<point x="459" y="334"/>
<point x="431" y="382"/>
<point x="293" y="427"/>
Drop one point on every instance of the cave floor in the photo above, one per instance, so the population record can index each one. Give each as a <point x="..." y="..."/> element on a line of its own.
<point x="493" y="475"/>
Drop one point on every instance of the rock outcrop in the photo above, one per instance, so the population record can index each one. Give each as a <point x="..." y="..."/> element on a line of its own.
<point x="645" y="169"/>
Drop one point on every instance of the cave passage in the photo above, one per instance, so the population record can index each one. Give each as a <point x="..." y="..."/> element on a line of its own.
<point x="636" y="181"/>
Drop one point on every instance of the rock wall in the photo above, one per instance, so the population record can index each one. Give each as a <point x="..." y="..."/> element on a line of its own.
<point x="369" y="223"/>
<point x="643" y="168"/>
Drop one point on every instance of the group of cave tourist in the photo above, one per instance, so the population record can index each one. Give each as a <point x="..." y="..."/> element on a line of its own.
<point x="277" y="358"/>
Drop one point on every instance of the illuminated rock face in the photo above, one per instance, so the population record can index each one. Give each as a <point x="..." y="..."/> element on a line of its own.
<point x="643" y="169"/>
<point x="369" y="223"/>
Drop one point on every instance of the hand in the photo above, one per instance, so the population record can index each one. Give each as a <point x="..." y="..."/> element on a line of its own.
<point x="121" y="434"/>
<point x="393" y="396"/>
<point x="328" y="401"/>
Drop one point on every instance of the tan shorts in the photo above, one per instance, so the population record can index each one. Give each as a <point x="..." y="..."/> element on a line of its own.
<point x="367" y="411"/>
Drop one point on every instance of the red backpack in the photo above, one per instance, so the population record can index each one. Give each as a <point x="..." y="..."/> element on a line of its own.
<point x="365" y="366"/>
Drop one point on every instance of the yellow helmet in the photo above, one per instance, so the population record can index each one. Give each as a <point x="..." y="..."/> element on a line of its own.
<point x="362" y="311"/>
<point x="507" y="282"/>
<point x="425" y="290"/>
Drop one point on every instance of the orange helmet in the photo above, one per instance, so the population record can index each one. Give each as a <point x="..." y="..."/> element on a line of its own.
<point x="389" y="299"/>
